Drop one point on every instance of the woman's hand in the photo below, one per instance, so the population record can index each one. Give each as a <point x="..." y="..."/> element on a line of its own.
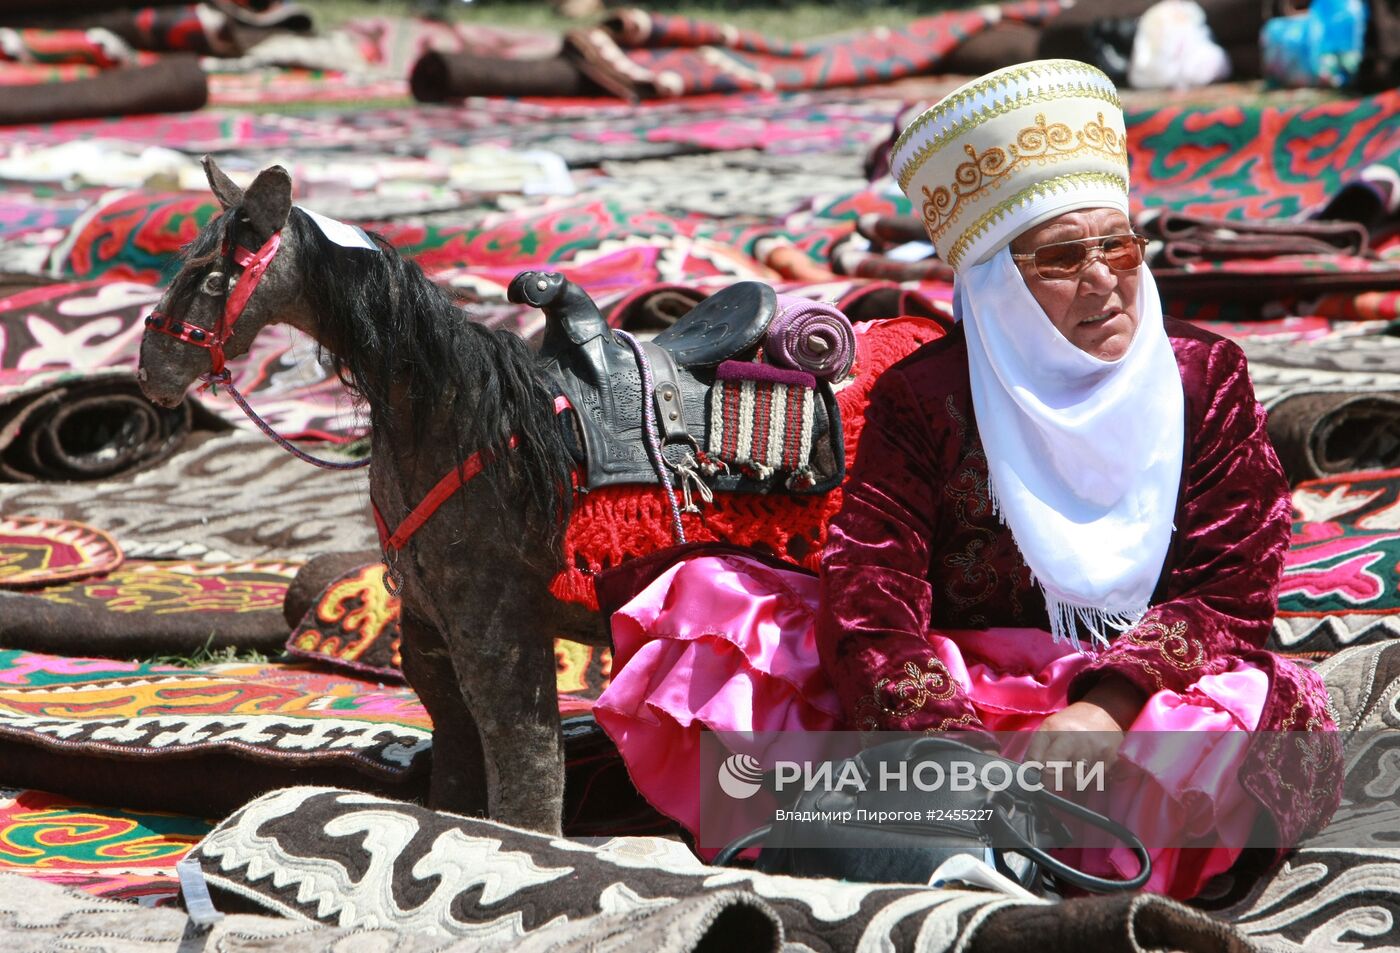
<point x="1091" y="729"/>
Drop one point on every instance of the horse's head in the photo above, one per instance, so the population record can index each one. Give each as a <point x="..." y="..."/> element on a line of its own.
<point x="238" y="276"/>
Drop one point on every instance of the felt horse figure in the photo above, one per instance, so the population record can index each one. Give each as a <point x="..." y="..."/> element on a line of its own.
<point x="477" y="612"/>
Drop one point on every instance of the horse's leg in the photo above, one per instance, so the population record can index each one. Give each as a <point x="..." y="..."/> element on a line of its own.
<point x="507" y="669"/>
<point x="458" y="781"/>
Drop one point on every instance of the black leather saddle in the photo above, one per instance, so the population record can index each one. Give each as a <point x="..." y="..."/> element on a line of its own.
<point x="599" y="373"/>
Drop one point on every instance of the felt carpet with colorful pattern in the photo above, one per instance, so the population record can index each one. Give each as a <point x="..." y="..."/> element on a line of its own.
<point x="650" y="208"/>
<point x="1341" y="581"/>
<point x="110" y="852"/>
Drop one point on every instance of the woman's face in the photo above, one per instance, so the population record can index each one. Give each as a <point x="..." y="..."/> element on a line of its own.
<point x="1096" y="309"/>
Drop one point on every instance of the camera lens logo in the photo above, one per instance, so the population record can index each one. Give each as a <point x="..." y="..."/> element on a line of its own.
<point x="740" y="776"/>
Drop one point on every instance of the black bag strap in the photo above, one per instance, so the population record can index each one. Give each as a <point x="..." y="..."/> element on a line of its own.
<point x="731" y="850"/>
<point x="1074" y="875"/>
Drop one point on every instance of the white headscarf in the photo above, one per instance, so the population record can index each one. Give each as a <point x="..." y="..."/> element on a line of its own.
<point x="1084" y="454"/>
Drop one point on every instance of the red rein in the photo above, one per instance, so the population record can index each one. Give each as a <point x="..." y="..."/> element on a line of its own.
<point x="438" y="495"/>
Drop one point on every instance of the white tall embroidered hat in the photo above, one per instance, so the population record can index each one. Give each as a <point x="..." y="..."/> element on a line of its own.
<point x="1010" y="150"/>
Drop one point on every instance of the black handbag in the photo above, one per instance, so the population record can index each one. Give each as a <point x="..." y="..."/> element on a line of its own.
<point x="1008" y="828"/>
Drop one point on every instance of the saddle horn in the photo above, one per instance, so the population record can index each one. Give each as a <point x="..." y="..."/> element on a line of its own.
<point x="538" y="289"/>
<point x="566" y="306"/>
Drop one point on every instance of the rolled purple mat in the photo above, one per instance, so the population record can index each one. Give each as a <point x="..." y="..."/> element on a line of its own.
<point x="810" y="336"/>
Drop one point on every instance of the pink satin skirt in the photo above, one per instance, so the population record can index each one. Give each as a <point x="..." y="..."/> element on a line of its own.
<point x="727" y="644"/>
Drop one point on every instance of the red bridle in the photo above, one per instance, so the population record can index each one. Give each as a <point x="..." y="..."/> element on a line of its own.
<point x="213" y="340"/>
<point x="254" y="264"/>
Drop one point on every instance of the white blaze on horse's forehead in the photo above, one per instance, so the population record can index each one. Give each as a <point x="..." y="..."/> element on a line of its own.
<point x="346" y="236"/>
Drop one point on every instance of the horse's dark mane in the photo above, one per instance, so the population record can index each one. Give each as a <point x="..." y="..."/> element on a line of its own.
<point x="390" y="328"/>
<point x="392" y="331"/>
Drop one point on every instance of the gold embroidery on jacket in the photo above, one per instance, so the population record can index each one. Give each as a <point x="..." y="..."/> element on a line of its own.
<point x="969" y="568"/>
<point x="1317" y="751"/>
<point x="909" y="694"/>
<point x="948" y="724"/>
<point x="1171" y="641"/>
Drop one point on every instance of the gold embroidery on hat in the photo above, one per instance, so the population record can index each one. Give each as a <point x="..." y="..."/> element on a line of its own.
<point x="1041" y="143"/>
<point x="912" y="165"/>
<point x="1085" y="81"/>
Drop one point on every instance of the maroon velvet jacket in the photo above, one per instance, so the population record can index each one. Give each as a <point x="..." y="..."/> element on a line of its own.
<point x="916" y="546"/>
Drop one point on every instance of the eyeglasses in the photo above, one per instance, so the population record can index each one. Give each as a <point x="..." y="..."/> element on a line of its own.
<point x="1066" y="259"/>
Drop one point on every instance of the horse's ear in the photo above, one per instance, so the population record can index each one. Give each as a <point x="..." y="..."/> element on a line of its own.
<point x="268" y="201"/>
<point x="228" y="194"/>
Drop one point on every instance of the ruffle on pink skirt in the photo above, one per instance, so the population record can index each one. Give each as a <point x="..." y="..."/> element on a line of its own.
<point x="717" y="642"/>
<point x="727" y="643"/>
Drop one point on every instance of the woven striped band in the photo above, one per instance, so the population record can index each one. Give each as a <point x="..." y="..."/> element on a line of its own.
<point x="762" y="427"/>
<point x="1010" y="150"/>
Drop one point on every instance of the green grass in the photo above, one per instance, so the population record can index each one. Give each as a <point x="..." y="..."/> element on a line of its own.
<point x="205" y="655"/>
<point x="791" y="20"/>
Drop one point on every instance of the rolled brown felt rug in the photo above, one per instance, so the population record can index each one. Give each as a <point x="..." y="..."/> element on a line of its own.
<point x="175" y="84"/>
<point x="438" y="77"/>
<point x="892" y="229"/>
<point x="48" y="7"/>
<point x="864" y="264"/>
<point x="1322" y="433"/>
<point x="1182" y="285"/>
<point x="89" y="429"/>
<point x="653" y="308"/>
<point x="1347" y="237"/>
<point x="1190" y="238"/>
<point x="1002" y="44"/>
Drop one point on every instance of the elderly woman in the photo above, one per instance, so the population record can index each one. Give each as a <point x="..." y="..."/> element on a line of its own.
<point x="1064" y="519"/>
